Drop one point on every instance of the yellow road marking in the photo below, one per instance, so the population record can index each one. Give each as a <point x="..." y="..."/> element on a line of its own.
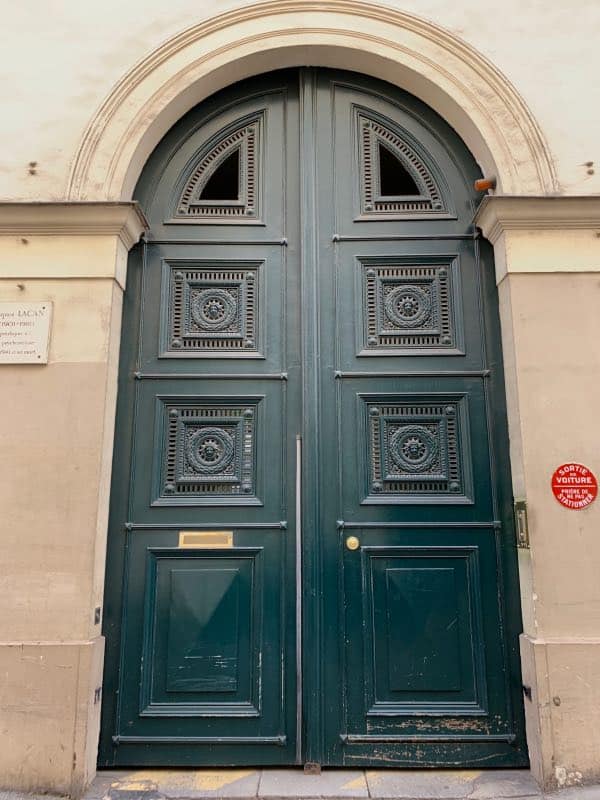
<point x="355" y="783"/>
<point x="460" y="775"/>
<point x="203" y="779"/>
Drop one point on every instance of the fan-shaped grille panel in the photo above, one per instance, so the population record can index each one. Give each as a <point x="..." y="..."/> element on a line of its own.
<point x="210" y="191"/>
<point x="394" y="178"/>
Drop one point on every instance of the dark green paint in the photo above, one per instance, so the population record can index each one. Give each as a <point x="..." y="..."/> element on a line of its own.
<point x="410" y="642"/>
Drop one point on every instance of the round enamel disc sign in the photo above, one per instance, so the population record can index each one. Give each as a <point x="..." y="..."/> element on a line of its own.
<point x="574" y="486"/>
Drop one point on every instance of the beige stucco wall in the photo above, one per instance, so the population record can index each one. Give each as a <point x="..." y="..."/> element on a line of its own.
<point x="555" y="318"/>
<point x="50" y="714"/>
<point x="549" y="291"/>
<point x="58" y="419"/>
<point x="57" y="434"/>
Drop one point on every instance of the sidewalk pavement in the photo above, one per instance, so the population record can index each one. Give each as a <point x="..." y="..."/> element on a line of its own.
<point x="332" y="784"/>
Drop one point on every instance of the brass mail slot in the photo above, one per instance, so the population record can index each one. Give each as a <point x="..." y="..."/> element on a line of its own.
<point x="213" y="539"/>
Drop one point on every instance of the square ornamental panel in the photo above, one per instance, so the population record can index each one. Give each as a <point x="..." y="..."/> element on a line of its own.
<point x="410" y="307"/>
<point x="212" y="309"/>
<point x="418" y="449"/>
<point x="208" y="453"/>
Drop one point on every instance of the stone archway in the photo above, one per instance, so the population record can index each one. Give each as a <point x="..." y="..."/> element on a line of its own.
<point x="415" y="54"/>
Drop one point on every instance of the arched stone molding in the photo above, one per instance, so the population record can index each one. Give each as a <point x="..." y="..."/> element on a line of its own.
<point x="416" y="55"/>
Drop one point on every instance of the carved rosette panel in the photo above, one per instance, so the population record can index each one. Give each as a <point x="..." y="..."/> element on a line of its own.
<point x="407" y="308"/>
<point x="209" y="451"/>
<point x="415" y="449"/>
<point x="213" y="310"/>
<point x="374" y="132"/>
<point x="243" y="137"/>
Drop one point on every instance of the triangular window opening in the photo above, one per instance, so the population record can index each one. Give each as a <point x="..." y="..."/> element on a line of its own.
<point x="224" y="183"/>
<point x="394" y="178"/>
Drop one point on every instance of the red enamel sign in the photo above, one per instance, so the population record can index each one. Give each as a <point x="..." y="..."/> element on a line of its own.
<point x="574" y="486"/>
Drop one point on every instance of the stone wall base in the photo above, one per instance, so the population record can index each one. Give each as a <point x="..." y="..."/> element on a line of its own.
<point x="563" y="713"/>
<point x="50" y="715"/>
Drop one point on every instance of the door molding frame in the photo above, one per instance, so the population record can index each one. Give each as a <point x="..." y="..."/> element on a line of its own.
<point x="445" y="72"/>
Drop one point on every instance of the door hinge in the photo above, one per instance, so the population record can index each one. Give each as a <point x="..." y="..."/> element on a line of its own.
<point x="521" y="523"/>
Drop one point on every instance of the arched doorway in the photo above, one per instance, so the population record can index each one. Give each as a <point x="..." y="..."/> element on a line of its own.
<point x="311" y="554"/>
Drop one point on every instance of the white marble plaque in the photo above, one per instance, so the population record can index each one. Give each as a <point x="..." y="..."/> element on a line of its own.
<point x="25" y="332"/>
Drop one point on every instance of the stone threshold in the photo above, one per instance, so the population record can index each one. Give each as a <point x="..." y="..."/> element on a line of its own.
<point x="331" y="784"/>
<point x="280" y="784"/>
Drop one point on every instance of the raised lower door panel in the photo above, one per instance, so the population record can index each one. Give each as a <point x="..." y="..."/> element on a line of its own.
<point x="428" y="669"/>
<point x="206" y="625"/>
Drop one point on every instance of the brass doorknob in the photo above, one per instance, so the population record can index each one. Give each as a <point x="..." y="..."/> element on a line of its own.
<point x="352" y="543"/>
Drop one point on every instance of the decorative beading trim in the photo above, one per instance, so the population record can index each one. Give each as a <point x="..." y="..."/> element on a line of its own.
<point x="371" y="132"/>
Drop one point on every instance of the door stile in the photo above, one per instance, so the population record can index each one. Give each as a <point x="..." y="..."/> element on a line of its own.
<point x="299" y="584"/>
<point x="502" y="530"/>
<point x="293" y="620"/>
<point x="501" y="479"/>
<point x="115" y="609"/>
<point x="312" y="553"/>
<point x="331" y="535"/>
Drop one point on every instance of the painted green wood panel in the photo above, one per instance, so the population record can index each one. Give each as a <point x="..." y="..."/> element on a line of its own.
<point x="201" y="648"/>
<point x="312" y="295"/>
<point x="205" y="629"/>
<point x="418" y="619"/>
<point x="408" y="424"/>
<point x="207" y="645"/>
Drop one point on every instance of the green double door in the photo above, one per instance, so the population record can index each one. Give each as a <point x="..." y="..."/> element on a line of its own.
<point x="311" y="554"/>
